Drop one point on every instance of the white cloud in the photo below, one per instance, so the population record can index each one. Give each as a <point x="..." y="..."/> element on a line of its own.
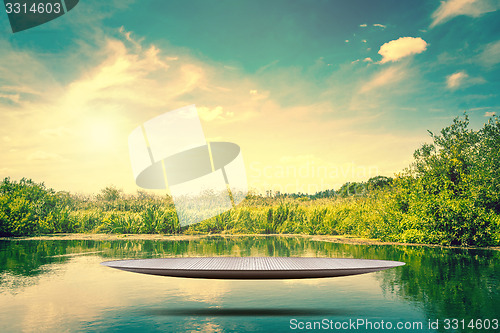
<point x="257" y="94"/>
<point x="491" y="54"/>
<point x="454" y="80"/>
<point x="127" y="85"/>
<point x="385" y="77"/>
<point x="128" y="76"/>
<point x="216" y="113"/>
<point x="128" y="36"/>
<point x="363" y="25"/>
<point x="208" y="114"/>
<point x="489" y="114"/>
<point x="380" y="25"/>
<point x="453" y="8"/>
<point x="461" y="79"/>
<point x="368" y="59"/>
<point x="364" y="40"/>
<point x="402" y="47"/>
<point x="347" y="40"/>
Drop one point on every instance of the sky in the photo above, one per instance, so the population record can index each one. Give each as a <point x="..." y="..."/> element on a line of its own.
<point x="316" y="93"/>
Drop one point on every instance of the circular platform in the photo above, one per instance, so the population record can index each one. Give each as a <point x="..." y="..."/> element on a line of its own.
<point x="252" y="267"/>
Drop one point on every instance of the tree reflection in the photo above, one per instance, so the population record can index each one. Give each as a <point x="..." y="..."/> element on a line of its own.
<point x="444" y="282"/>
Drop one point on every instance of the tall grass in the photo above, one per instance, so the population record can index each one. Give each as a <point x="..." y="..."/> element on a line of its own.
<point x="375" y="214"/>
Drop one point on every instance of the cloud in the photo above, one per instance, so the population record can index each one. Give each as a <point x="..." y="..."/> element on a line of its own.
<point x="128" y="84"/>
<point x="216" y="113"/>
<point x="454" y="81"/>
<point x="20" y="89"/>
<point x="363" y="25"/>
<point x="22" y="67"/>
<point x="126" y="75"/>
<point x="453" y="8"/>
<point x="461" y="80"/>
<point x="491" y="54"/>
<point x="489" y="114"/>
<point x="128" y="36"/>
<point x="402" y="47"/>
<point x="11" y="97"/>
<point x="347" y="40"/>
<point x="257" y="94"/>
<point x="380" y="25"/>
<point x="385" y="77"/>
<point x="368" y="59"/>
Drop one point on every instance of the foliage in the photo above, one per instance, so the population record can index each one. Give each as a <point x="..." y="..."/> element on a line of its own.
<point x="450" y="195"/>
<point x="28" y="208"/>
<point x="110" y="193"/>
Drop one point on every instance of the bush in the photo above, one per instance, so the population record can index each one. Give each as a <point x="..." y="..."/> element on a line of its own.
<point x="450" y="195"/>
<point x="28" y="208"/>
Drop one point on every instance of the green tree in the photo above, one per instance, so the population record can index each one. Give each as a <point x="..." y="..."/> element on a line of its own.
<point x="27" y="208"/>
<point x="378" y="182"/>
<point x="352" y="188"/>
<point x="110" y="193"/>
<point x="450" y="193"/>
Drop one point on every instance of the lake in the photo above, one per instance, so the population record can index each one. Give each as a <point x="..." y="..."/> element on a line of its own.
<point x="60" y="286"/>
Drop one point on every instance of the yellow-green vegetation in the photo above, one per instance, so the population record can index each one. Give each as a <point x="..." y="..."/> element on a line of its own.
<point x="450" y="195"/>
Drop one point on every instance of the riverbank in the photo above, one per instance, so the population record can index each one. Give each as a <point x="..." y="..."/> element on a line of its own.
<point x="342" y="239"/>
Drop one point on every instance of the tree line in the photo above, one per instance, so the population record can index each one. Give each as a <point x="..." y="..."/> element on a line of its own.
<point x="449" y="195"/>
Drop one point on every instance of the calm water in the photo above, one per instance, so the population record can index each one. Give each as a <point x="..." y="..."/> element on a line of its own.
<point x="59" y="286"/>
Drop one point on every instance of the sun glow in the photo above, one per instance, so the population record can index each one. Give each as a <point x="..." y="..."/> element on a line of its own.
<point x="101" y="133"/>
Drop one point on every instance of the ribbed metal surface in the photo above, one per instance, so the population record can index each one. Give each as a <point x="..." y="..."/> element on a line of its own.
<point x="252" y="267"/>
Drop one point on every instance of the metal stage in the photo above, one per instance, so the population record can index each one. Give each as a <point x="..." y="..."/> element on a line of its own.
<point x="252" y="267"/>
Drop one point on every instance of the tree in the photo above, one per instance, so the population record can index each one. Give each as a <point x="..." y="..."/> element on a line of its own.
<point x="26" y="208"/>
<point x="451" y="193"/>
<point x="110" y="193"/>
<point x="378" y="182"/>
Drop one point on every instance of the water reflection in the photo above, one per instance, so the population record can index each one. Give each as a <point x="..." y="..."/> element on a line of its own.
<point x="247" y="312"/>
<point x="448" y="283"/>
<point x="59" y="285"/>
